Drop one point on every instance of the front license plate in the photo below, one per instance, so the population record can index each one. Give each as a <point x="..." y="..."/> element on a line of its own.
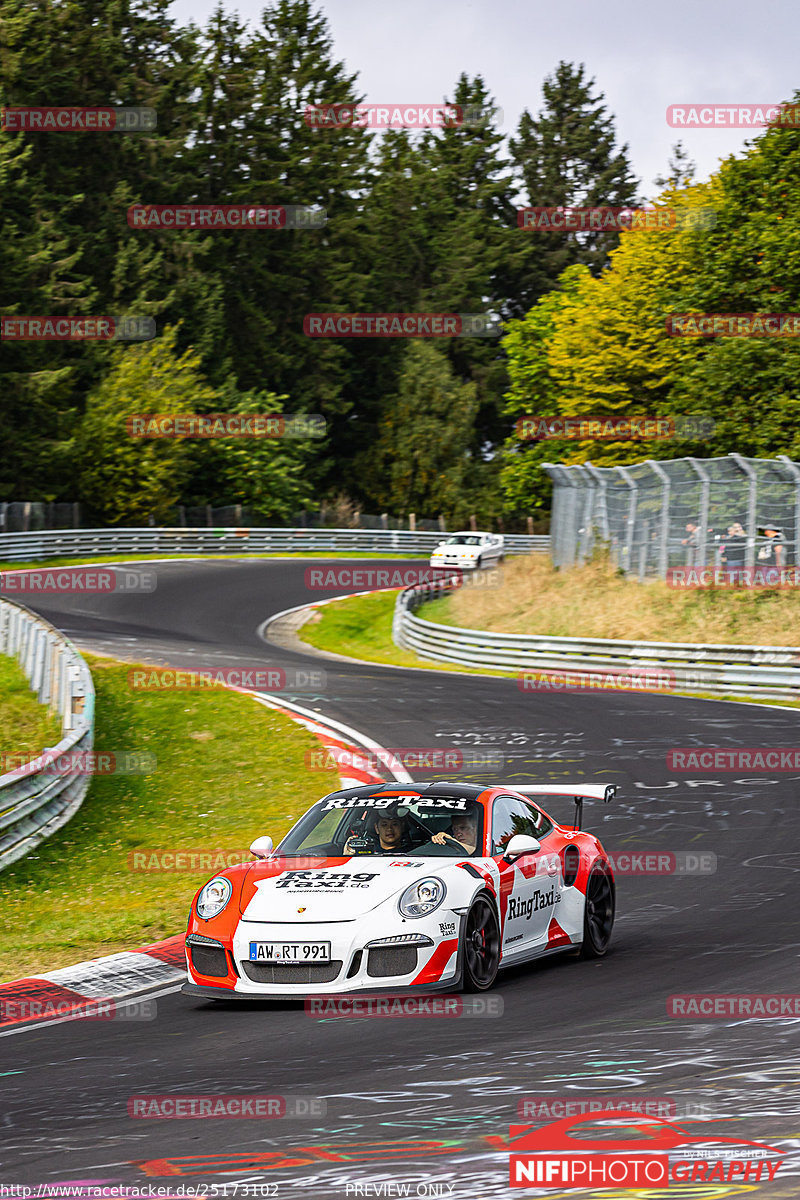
<point x="290" y="952"/>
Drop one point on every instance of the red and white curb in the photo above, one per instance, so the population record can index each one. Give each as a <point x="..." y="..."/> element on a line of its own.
<point x="96" y="987"/>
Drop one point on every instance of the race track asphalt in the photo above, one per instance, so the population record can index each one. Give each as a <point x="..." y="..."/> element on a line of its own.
<point x="418" y="1102"/>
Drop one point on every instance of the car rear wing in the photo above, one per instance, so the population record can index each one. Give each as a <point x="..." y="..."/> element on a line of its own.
<point x="579" y="792"/>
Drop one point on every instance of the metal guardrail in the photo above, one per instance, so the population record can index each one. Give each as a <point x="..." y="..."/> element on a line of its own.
<point x="66" y="543"/>
<point x="768" y="671"/>
<point x="35" y="801"/>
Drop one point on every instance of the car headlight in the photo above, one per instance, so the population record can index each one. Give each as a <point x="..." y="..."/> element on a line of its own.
<point x="213" y="897"/>
<point x="422" y="897"/>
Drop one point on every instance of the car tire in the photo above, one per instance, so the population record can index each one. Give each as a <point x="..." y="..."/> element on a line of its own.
<point x="478" y="563"/>
<point x="480" y="945"/>
<point x="598" y="912"/>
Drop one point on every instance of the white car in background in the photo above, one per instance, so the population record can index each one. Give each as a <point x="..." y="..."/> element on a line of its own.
<point x="469" y="549"/>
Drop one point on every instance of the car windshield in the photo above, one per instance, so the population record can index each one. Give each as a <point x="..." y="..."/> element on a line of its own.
<point x="401" y="826"/>
<point x="463" y="539"/>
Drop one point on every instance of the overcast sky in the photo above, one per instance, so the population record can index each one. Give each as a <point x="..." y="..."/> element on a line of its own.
<point x="643" y="57"/>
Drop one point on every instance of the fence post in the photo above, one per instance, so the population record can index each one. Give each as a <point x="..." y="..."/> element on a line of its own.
<point x="412" y="522"/>
<point x="384" y="520"/>
<point x="560" y="551"/>
<point x="663" y="549"/>
<point x="752" y="479"/>
<point x="473" y="522"/>
<point x="585" y="539"/>
<point x="633" y="485"/>
<point x="442" y="526"/>
<point x="795" y="473"/>
<point x="702" y="531"/>
<point x="602" y="505"/>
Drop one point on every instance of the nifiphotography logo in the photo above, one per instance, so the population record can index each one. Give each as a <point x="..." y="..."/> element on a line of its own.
<point x="658" y="1154"/>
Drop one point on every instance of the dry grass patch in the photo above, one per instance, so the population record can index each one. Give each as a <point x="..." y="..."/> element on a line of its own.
<point x="596" y="601"/>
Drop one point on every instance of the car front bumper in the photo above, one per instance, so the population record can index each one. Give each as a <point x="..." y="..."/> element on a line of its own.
<point x="356" y="963"/>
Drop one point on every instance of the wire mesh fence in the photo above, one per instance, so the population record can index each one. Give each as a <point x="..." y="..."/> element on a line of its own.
<point x="732" y="514"/>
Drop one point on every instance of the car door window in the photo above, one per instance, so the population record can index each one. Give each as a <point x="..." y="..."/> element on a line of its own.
<point x="511" y="816"/>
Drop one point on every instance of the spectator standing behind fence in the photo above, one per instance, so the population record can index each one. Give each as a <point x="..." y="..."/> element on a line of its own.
<point x="772" y="553"/>
<point x="690" y="542"/>
<point x="734" y="551"/>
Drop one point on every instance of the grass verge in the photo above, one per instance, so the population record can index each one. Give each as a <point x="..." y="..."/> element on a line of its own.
<point x="28" y="726"/>
<point x="361" y="627"/>
<point x="596" y="601"/>
<point x="228" y="769"/>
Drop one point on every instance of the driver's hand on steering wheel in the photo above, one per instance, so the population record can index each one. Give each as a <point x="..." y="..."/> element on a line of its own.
<point x="441" y="838"/>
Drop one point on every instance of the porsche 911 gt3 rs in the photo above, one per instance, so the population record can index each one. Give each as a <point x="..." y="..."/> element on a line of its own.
<point x="425" y="887"/>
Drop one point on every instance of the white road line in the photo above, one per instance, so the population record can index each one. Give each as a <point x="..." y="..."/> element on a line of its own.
<point x="392" y="764"/>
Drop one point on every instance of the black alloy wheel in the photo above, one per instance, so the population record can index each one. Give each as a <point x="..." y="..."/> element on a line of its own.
<point x="481" y="946"/>
<point x="598" y="915"/>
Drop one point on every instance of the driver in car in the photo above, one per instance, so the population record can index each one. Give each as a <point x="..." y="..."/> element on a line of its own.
<point x="463" y="832"/>
<point x="389" y="834"/>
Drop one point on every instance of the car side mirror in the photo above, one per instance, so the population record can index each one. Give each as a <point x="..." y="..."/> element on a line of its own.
<point x="520" y="844"/>
<point x="261" y="847"/>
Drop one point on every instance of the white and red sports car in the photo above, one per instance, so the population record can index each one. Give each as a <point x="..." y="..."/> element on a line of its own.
<point x="425" y="887"/>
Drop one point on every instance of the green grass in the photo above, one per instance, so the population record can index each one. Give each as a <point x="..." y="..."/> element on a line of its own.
<point x="228" y="769"/>
<point x="361" y="627"/>
<point x="27" y="726"/>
